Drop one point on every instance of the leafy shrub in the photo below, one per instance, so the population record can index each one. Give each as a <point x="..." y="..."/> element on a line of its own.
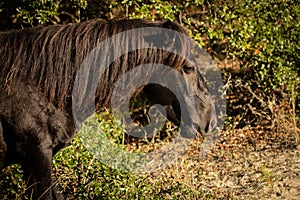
<point x="264" y="37"/>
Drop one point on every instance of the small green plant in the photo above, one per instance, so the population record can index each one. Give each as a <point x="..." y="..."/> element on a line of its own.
<point x="268" y="175"/>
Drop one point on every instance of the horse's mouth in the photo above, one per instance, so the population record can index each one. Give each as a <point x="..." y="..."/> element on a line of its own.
<point x="192" y="128"/>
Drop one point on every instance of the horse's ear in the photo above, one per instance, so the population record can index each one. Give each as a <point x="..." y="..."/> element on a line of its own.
<point x="178" y="18"/>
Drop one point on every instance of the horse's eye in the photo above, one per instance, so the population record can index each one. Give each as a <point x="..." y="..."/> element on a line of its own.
<point x="188" y="69"/>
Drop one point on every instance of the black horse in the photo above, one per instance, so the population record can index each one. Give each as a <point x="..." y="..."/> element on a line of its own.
<point x="39" y="67"/>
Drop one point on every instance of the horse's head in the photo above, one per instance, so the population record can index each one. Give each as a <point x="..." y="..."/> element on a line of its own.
<point x="193" y="109"/>
<point x="191" y="106"/>
<point x="199" y="107"/>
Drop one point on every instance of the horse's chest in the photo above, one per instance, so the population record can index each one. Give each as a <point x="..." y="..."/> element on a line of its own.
<point x="30" y="119"/>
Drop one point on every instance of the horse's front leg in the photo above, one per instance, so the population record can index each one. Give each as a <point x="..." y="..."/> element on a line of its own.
<point x="36" y="129"/>
<point x="37" y="166"/>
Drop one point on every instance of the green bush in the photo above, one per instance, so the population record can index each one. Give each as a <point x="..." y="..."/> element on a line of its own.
<point x="263" y="35"/>
<point x="19" y="13"/>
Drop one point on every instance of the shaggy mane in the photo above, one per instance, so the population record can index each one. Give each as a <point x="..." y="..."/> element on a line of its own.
<point x="48" y="58"/>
